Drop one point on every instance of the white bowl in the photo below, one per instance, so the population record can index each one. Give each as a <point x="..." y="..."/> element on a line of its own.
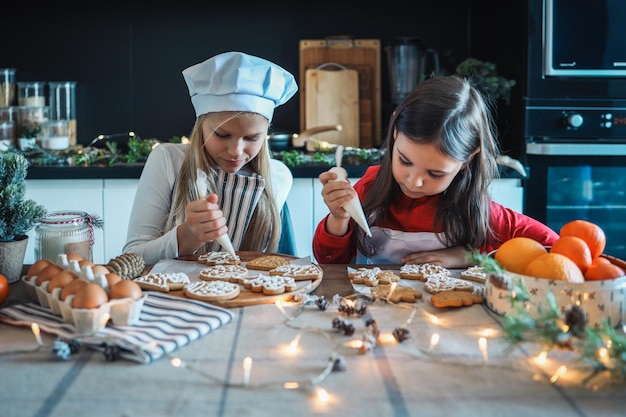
<point x="600" y="299"/>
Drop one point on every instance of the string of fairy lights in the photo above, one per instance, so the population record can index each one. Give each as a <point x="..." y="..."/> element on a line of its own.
<point x="547" y="363"/>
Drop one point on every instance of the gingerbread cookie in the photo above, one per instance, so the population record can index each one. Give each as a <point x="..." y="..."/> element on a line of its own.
<point x="219" y="258"/>
<point x="399" y="293"/>
<point x="475" y="273"/>
<point x="212" y="290"/>
<point x="439" y="283"/>
<point x="423" y="271"/>
<point x="387" y="277"/>
<point x="298" y="272"/>
<point x="231" y="273"/>
<point x="270" y="285"/>
<point x="365" y="276"/>
<point x="455" y="299"/>
<point x="163" y="282"/>
<point x="267" y="262"/>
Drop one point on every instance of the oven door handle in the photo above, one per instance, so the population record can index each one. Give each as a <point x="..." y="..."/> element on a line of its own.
<point x="576" y="149"/>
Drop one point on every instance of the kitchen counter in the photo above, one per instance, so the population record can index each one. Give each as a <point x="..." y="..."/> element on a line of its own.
<point x="130" y="171"/>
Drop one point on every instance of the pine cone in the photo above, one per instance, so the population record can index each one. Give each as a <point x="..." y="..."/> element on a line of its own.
<point x="499" y="281"/>
<point x="127" y="265"/>
<point x="576" y="319"/>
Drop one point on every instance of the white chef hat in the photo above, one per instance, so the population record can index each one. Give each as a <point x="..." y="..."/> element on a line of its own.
<point x="234" y="81"/>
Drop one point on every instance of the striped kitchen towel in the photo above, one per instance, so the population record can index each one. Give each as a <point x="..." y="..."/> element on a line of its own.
<point x="165" y="324"/>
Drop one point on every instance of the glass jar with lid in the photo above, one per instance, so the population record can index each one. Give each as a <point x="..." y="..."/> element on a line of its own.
<point x="62" y="103"/>
<point x="31" y="93"/>
<point x="7" y="86"/>
<point x="65" y="232"/>
<point x="29" y="130"/>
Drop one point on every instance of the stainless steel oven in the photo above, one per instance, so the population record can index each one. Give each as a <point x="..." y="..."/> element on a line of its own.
<point x="569" y="181"/>
<point x="575" y="115"/>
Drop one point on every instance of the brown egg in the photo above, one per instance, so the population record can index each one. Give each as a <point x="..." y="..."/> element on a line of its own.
<point x="126" y="289"/>
<point x="72" y="287"/>
<point x="61" y="279"/>
<point x="85" y="262"/>
<point x="112" y="279"/>
<point x="99" y="269"/>
<point x="37" y="266"/>
<point x="89" y="296"/>
<point x="47" y="273"/>
<point x="74" y="256"/>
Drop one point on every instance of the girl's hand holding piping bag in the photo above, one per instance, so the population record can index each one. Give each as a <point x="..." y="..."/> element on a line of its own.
<point x="204" y="223"/>
<point x="342" y="201"/>
<point x="205" y="219"/>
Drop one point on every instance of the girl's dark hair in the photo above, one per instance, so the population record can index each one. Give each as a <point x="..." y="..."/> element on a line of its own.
<point x="451" y="114"/>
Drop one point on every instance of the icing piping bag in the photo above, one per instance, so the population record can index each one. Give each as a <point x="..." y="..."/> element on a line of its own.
<point x="201" y="185"/>
<point x="353" y="207"/>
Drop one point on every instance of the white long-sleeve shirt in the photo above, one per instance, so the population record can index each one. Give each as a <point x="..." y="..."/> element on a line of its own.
<point x="153" y="201"/>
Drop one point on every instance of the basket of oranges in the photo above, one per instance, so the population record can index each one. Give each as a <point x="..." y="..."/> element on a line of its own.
<point x="574" y="269"/>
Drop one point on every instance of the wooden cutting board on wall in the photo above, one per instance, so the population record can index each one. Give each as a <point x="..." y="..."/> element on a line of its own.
<point x="332" y="98"/>
<point x="362" y="55"/>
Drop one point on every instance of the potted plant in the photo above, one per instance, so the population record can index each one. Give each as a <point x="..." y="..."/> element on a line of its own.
<point x="485" y="75"/>
<point x="29" y="133"/>
<point x="18" y="216"/>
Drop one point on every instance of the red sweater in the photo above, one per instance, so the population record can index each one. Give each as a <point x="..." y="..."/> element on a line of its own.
<point x="410" y="224"/>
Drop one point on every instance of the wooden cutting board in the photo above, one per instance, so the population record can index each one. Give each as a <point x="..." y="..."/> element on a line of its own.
<point x="361" y="55"/>
<point x="246" y="296"/>
<point x="332" y="98"/>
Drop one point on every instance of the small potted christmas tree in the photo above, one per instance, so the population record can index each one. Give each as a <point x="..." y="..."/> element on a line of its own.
<point x="18" y="216"/>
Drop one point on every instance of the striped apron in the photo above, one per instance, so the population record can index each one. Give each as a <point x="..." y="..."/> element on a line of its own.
<point x="238" y="195"/>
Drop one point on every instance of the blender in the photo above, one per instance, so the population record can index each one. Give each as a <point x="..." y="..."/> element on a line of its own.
<point x="409" y="62"/>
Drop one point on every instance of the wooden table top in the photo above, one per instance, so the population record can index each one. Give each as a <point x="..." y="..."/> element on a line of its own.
<point x="411" y="378"/>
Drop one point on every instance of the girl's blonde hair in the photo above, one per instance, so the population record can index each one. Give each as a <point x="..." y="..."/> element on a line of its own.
<point x="264" y="229"/>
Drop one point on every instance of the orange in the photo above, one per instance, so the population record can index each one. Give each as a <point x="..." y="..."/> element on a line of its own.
<point x="4" y="288"/>
<point x="516" y="253"/>
<point x="554" y="266"/>
<point x="601" y="268"/>
<point x="587" y="231"/>
<point x="574" y="248"/>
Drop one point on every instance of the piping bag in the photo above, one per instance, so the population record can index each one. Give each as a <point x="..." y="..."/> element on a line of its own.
<point x="353" y="207"/>
<point x="201" y="185"/>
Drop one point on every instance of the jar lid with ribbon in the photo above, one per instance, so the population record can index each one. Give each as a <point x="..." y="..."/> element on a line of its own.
<point x="65" y="232"/>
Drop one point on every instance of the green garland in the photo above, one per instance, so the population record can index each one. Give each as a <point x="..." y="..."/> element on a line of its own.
<point x="351" y="157"/>
<point x="136" y="151"/>
<point x="603" y="348"/>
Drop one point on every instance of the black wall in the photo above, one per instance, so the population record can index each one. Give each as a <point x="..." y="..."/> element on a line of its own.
<point x="127" y="59"/>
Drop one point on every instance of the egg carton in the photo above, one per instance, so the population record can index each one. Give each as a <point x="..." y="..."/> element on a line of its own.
<point x="121" y="312"/>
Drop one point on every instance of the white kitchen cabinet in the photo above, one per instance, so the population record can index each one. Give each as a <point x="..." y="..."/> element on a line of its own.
<point x="112" y="200"/>
<point x="109" y="199"/>
<point x="307" y="207"/>
<point x="508" y="192"/>
<point x="300" y="202"/>
<point x="119" y="195"/>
